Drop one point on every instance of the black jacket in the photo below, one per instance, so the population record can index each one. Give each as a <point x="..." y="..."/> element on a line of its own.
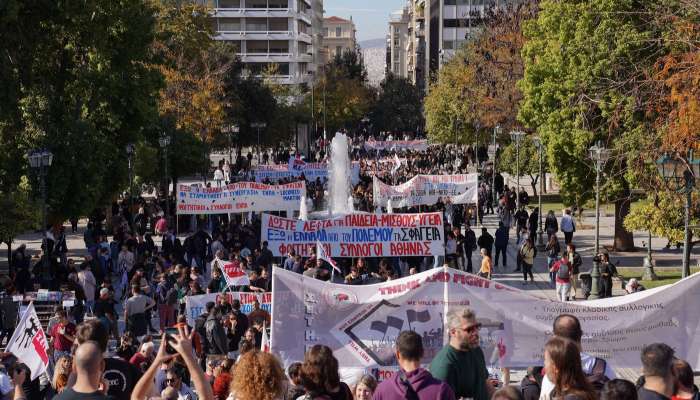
<point x="216" y="335"/>
<point x="485" y="241"/>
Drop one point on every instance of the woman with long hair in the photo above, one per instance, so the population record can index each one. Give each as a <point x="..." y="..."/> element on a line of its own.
<point x="365" y="387"/>
<point x="319" y="375"/>
<point x="553" y="249"/>
<point x="527" y="254"/>
<point x="562" y="363"/>
<point x="258" y="376"/>
<point x="222" y="379"/>
<point x="60" y="373"/>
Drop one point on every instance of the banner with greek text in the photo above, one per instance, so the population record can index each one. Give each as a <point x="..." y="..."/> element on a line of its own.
<point x="297" y="167"/>
<point x="196" y="305"/>
<point x="426" y="190"/>
<point x="357" y="235"/>
<point x="397" y="145"/>
<point x="361" y="323"/>
<point x="239" y="198"/>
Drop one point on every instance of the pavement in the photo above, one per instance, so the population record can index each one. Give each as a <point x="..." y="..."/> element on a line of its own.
<point x="583" y="238"/>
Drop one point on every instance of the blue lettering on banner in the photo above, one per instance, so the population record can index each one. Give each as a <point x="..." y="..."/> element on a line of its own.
<point x="274" y="235"/>
<point x="371" y="235"/>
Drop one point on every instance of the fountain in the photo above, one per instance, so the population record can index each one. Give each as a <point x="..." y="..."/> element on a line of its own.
<point x="303" y="209"/>
<point x="389" y="207"/>
<point x="339" y="194"/>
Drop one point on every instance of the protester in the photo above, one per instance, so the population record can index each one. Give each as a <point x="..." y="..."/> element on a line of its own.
<point x="412" y="381"/>
<point x="607" y="272"/>
<point x="618" y="389"/>
<point x="461" y="362"/>
<point x="552" y="250"/>
<point x="685" y="388"/>
<point x="575" y="262"/>
<point x="89" y="367"/>
<point x="633" y="286"/>
<point x="486" y="265"/>
<point x="531" y="383"/>
<point x="562" y="270"/>
<point x="562" y="364"/>
<point x="319" y="375"/>
<point x="657" y="368"/>
<point x="62" y="336"/>
<point x="527" y="255"/>
<point x="501" y="244"/>
<point x="258" y="376"/>
<point x="507" y="393"/>
<point x="365" y="387"/>
<point x="295" y="389"/>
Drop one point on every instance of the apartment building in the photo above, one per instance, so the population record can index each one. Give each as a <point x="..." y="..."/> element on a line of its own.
<point x="399" y="45"/>
<point x="338" y="36"/>
<point x="436" y="29"/>
<point x="283" y="34"/>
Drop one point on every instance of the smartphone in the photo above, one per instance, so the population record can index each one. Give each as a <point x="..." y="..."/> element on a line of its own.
<point x="169" y="333"/>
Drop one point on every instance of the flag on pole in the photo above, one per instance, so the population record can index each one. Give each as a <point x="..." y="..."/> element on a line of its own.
<point x="321" y="254"/>
<point x="233" y="273"/>
<point x="397" y="161"/>
<point x="265" y="342"/>
<point x="29" y="343"/>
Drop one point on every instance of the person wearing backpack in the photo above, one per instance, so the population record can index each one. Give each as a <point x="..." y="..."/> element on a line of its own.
<point x="215" y="333"/>
<point x="597" y="370"/>
<point x="562" y="271"/>
<point x="199" y="323"/>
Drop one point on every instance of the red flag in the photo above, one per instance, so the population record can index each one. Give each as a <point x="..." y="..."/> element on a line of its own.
<point x="321" y="254"/>
<point x="265" y="345"/>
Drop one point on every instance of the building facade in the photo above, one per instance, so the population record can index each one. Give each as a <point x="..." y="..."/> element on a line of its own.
<point x="339" y="36"/>
<point x="399" y="45"/>
<point x="436" y="30"/>
<point x="283" y="36"/>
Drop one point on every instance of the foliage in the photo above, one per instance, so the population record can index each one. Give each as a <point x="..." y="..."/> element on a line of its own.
<point x="349" y="65"/>
<point x="19" y="212"/>
<point x="529" y="161"/>
<point x="398" y="107"/>
<point x="664" y="217"/>
<point x="75" y="80"/>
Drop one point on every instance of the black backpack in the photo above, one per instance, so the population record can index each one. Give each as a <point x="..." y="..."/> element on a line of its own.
<point x="597" y="377"/>
<point x="564" y="272"/>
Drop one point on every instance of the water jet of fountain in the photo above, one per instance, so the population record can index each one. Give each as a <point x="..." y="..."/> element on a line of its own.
<point x="303" y="209"/>
<point x="340" y="196"/>
<point x="389" y="207"/>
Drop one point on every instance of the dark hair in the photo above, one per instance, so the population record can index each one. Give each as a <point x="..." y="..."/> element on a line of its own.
<point x="92" y="330"/>
<point x="245" y="346"/>
<point x="236" y="304"/>
<point x="657" y="359"/>
<point x="573" y="246"/>
<point x="568" y="326"/>
<point x="210" y="305"/>
<point x="508" y="392"/>
<point x="683" y="373"/>
<point x="293" y="371"/>
<point x="136" y="289"/>
<point x="319" y="372"/>
<point x="618" y="389"/>
<point x="566" y="357"/>
<point x="409" y="344"/>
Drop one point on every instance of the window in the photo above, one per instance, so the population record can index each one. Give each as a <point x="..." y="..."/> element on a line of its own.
<point x="279" y="4"/>
<point x="448" y="44"/>
<point x="256" y="24"/>
<point x="396" y="30"/>
<point x="279" y="24"/>
<point x="256" y="3"/>
<point x="325" y="32"/>
<point x="338" y="31"/>
<point x="256" y="46"/>
<point x="450" y="2"/>
<point x="338" y="50"/>
<point x="229" y="4"/>
<point x="303" y="48"/>
<point x="456" y="23"/>
<point x="279" y="46"/>
<point x="229" y="24"/>
<point x="396" y="42"/>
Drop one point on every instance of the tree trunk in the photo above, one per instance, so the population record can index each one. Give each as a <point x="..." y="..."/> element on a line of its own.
<point x="9" y="256"/>
<point x="533" y="183"/>
<point x="624" y="240"/>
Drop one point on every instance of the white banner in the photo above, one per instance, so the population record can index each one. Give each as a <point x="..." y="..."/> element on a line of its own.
<point x="197" y="305"/>
<point x="239" y="198"/>
<point x="357" y="235"/>
<point x="232" y="272"/>
<point x="361" y="323"/>
<point x="311" y="171"/>
<point x="426" y="190"/>
<point x="397" y="145"/>
<point x="29" y="344"/>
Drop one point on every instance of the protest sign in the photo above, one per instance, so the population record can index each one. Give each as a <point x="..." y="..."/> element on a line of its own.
<point x="29" y="344"/>
<point x="196" y="305"/>
<point x="239" y="198"/>
<point x="232" y="272"/>
<point x="297" y="167"/>
<point x="397" y="145"/>
<point x="360" y="323"/>
<point x="357" y="235"/>
<point x="426" y="190"/>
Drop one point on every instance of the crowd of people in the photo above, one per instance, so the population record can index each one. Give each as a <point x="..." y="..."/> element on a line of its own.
<point x="106" y="343"/>
<point x="170" y="367"/>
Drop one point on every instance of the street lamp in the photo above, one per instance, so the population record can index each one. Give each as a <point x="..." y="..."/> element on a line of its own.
<point x="232" y="131"/>
<point x="600" y="155"/>
<point x="540" y="241"/>
<point x="130" y="151"/>
<point x="41" y="160"/>
<point x="496" y="131"/>
<point x="164" y="142"/>
<point x="258" y="126"/>
<point x="680" y="176"/>
<point x="517" y="136"/>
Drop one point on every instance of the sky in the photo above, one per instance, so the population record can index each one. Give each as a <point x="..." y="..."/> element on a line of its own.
<point x="371" y="17"/>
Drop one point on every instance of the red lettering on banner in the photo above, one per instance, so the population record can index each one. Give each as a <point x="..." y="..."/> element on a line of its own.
<point x="400" y="288"/>
<point x="410" y="249"/>
<point x="281" y="223"/>
<point x="471" y="280"/>
<point x="361" y="249"/>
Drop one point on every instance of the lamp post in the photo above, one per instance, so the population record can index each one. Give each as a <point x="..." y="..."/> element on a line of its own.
<point x="517" y="136"/>
<point x="600" y="155"/>
<point x="164" y="141"/>
<point x="231" y="130"/>
<point x="680" y="176"/>
<point x="540" y="232"/>
<point x="496" y="132"/>
<point x="130" y="151"/>
<point x="40" y="160"/>
<point x="258" y="126"/>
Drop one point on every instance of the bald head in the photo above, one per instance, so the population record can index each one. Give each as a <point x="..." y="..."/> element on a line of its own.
<point x="569" y="327"/>
<point x="88" y="360"/>
<point x="169" y="393"/>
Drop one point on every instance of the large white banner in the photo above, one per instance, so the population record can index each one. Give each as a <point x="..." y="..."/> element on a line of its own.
<point x="357" y="235"/>
<point x="361" y="323"/>
<point x="397" y="145"/>
<point x="197" y="305"/>
<point x="239" y="198"/>
<point x="311" y="171"/>
<point x="426" y="190"/>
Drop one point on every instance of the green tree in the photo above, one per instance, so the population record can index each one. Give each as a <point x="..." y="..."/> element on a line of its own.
<point x="19" y="214"/>
<point x="349" y="64"/>
<point x="529" y="161"/>
<point x="399" y="106"/>
<point x="76" y="80"/>
<point x="664" y="217"/>
<point x="583" y="62"/>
